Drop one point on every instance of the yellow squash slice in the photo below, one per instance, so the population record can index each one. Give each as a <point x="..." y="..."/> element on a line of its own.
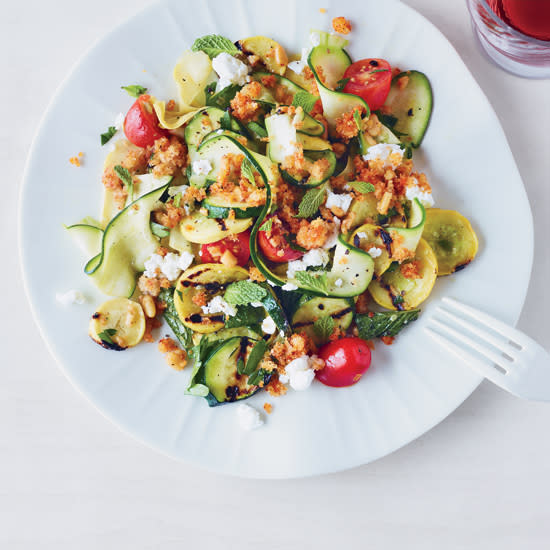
<point x="270" y="52"/>
<point x="452" y="239"/>
<point x="394" y="291"/>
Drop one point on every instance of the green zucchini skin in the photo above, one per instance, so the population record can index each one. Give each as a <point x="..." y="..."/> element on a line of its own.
<point x="219" y="211"/>
<point x="412" y="106"/>
<point x="313" y="156"/>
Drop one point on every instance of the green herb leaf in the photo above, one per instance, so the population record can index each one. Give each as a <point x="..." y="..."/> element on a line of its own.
<point x="244" y="292"/>
<point x="267" y="225"/>
<point x="315" y="280"/>
<point x="105" y="335"/>
<point x="257" y="129"/>
<point x="126" y="178"/>
<point x="305" y="100"/>
<point x="247" y="316"/>
<point x="213" y="45"/>
<point x="383" y="218"/>
<point x="387" y="120"/>
<point x="209" y="90"/>
<point x="362" y="186"/>
<point x="106" y="136"/>
<point x="159" y="230"/>
<point x="341" y="84"/>
<point x="311" y="202"/>
<point x="247" y="171"/>
<point x="225" y="121"/>
<point x="223" y="98"/>
<point x="135" y="90"/>
<point x="290" y="238"/>
<point x="181" y="332"/>
<point x="255" y="356"/>
<point x="324" y="327"/>
<point x="240" y="366"/>
<point x="358" y="121"/>
<point x="375" y="325"/>
<point x="177" y="200"/>
<point x="256" y="377"/>
<point x="379" y="71"/>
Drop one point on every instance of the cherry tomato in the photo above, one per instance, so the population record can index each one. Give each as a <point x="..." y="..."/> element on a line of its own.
<point x="345" y="362"/>
<point x="141" y="124"/>
<point x="369" y="79"/>
<point x="274" y="245"/>
<point x="237" y="244"/>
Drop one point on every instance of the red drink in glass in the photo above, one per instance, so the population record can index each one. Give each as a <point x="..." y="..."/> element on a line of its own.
<point x="531" y="17"/>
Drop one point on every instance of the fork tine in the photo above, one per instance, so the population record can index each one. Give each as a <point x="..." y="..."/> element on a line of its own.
<point x="481" y="367"/>
<point x="496" y="358"/>
<point x="502" y="328"/>
<point x="502" y="345"/>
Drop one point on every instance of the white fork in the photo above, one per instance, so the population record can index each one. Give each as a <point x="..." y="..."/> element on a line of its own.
<point x="510" y="359"/>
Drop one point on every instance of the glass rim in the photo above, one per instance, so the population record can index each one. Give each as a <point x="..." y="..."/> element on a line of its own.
<point x="509" y="28"/>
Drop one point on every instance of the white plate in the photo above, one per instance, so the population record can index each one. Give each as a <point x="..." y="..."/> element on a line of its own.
<point x="411" y="385"/>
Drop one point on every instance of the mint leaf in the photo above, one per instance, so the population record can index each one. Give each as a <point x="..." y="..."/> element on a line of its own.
<point x="225" y="121"/>
<point x="341" y="84"/>
<point x="135" y="90"/>
<point x="126" y="178"/>
<point x="324" y="327"/>
<point x="258" y="376"/>
<point x="159" y="230"/>
<point x="311" y="202"/>
<point x="305" y="100"/>
<point x="361" y="186"/>
<point x="105" y="336"/>
<point x="266" y="226"/>
<point x="375" y="325"/>
<point x="106" y="136"/>
<point x="213" y="45"/>
<point x="247" y="171"/>
<point x="316" y="280"/>
<point x="255" y="357"/>
<point x="182" y="333"/>
<point x="243" y="293"/>
<point x="358" y="121"/>
<point x="223" y="98"/>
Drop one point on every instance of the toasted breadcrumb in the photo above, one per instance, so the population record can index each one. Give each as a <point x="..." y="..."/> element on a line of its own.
<point x="256" y="275"/>
<point x="243" y="106"/>
<point x="388" y="340"/>
<point x="346" y="127"/>
<point x="341" y="25"/>
<point x="170" y="216"/>
<point x="313" y="235"/>
<point x="362" y="303"/>
<point x="175" y="356"/>
<point x="75" y="161"/>
<point x="275" y="387"/>
<point x="171" y="105"/>
<point x="169" y="156"/>
<point x="200" y="298"/>
<point x="268" y="408"/>
<point x="152" y="285"/>
<point x="411" y="270"/>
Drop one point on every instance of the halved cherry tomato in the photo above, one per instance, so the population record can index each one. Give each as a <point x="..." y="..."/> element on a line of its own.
<point x="237" y="244"/>
<point x="274" y="245"/>
<point x="141" y="124"/>
<point x="345" y="362"/>
<point x="369" y="79"/>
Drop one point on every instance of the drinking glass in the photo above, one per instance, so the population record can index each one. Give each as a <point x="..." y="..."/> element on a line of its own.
<point x="515" y="34"/>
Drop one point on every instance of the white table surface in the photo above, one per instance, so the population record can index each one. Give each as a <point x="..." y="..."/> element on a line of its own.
<point x="70" y="480"/>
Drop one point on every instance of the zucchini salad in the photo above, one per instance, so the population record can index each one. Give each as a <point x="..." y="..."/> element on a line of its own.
<point x="270" y="215"/>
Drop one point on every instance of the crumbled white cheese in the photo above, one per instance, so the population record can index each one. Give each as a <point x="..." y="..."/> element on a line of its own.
<point x="289" y="286"/>
<point x="374" y="252"/>
<point x="201" y="167"/>
<point x="298" y="373"/>
<point x="341" y="201"/>
<point x="338" y="282"/>
<point x="219" y="305"/>
<point x="391" y="154"/>
<point x="70" y="297"/>
<point x="362" y="235"/>
<point x="299" y="66"/>
<point x="230" y="70"/>
<point x="119" y="122"/>
<point x="178" y="189"/>
<point x="271" y="283"/>
<point x="286" y="142"/>
<point x="314" y="38"/>
<point x="268" y="325"/>
<point x="312" y="258"/>
<point x="425" y="197"/>
<point x="170" y="265"/>
<point x="333" y="237"/>
<point x="249" y="418"/>
<point x="256" y="304"/>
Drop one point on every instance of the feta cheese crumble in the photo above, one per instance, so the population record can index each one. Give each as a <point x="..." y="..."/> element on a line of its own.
<point x="333" y="237"/>
<point x="219" y="305"/>
<point x="268" y="325"/>
<point x="177" y="189"/>
<point x="313" y="258"/>
<point x="341" y="201"/>
<point x="201" y="167"/>
<point x="425" y="197"/>
<point x="170" y="265"/>
<point x="289" y="286"/>
<point x="285" y="144"/>
<point x="391" y="154"/>
<point x="362" y="235"/>
<point x="298" y="373"/>
<point x="70" y="297"/>
<point x="338" y="283"/>
<point x="249" y="418"/>
<point x="299" y="66"/>
<point x="374" y="252"/>
<point x="230" y="70"/>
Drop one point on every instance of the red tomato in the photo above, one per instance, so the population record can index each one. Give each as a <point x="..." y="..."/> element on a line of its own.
<point x="141" y="124"/>
<point x="274" y="245"/>
<point x="369" y="79"/>
<point x="345" y="362"/>
<point x="237" y="244"/>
